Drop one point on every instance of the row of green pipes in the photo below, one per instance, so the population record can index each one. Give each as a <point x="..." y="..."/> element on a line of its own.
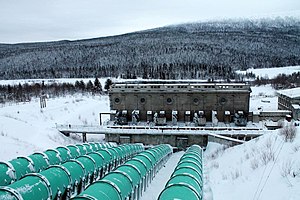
<point x="129" y="180"/>
<point x="70" y="178"/>
<point x="186" y="180"/>
<point x="17" y="168"/>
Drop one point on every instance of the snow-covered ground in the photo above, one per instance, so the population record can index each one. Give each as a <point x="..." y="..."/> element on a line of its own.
<point x="240" y="172"/>
<point x="263" y="98"/>
<point x="271" y="72"/>
<point x="25" y="128"/>
<point x="264" y="168"/>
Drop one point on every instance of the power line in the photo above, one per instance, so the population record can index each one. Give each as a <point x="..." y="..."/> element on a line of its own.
<point x="270" y="170"/>
<point x="263" y="174"/>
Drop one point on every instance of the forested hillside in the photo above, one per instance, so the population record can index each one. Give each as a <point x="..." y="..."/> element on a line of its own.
<point x="197" y="50"/>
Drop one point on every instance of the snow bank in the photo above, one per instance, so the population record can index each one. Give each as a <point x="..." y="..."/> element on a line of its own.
<point x="264" y="168"/>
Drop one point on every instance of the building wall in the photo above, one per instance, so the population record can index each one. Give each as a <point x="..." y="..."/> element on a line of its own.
<point x="296" y="113"/>
<point x="286" y="103"/>
<point x="175" y="140"/>
<point x="180" y="141"/>
<point x="181" y="102"/>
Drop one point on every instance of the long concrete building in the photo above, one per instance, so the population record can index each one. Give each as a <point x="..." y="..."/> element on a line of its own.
<point x="289" y="99"/>
<point x="185" y="98"/>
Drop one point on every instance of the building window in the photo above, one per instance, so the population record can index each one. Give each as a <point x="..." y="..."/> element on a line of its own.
<point x="196" y="100"/>
<point x="222" y="100"/>
<point x="169" y="101"/>
<point x="143" y="100"/>
<point x="117" y="100"/>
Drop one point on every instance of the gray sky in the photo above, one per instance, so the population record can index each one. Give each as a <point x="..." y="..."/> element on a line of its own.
<point x="47" y="20"/>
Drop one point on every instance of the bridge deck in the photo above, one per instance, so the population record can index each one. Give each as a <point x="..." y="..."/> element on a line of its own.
<point x="149" y="134"/>
<point x="159" y="130"/>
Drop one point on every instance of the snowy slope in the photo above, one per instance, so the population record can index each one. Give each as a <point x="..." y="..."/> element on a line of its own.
<point x="25" y="128"/>
<point x="263" y="168"/>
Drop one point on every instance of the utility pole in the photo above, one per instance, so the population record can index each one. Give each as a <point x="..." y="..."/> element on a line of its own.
<point x="43" y="101"/>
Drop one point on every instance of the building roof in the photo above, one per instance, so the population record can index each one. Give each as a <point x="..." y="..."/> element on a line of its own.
<point x="296" y="106"/>
<point x="292" y="93"/>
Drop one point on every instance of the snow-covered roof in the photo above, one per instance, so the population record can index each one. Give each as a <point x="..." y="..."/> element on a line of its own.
<point x="296" y="106"/>
<point x="292" y="93"/>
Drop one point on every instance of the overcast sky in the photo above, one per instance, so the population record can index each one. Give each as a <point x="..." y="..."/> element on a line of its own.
<point x="47" y="20"/>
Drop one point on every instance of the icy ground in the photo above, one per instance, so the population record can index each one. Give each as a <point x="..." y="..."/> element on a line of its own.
<point x="264" y="168"/>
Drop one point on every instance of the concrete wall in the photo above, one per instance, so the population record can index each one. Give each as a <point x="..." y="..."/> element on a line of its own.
<point x="268" y="115"/>
<point x="220" y="101"/>
<point x="222" y="140"/>
<point x="178" y="140"/>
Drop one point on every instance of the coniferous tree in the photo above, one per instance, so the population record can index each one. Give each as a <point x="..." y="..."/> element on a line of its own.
<point x="108" y="83"/>
<point x="98" y="87"/>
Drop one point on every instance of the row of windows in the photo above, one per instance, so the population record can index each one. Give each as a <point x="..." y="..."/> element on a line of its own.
<point x="237" y="86"/>
<point x="155" y="86"/>
<point x="284" y="102"/>
<point x="181" y="86"/>
<point x="170" y="100"/>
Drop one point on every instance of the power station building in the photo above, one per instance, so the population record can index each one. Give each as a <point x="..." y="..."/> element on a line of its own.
<point x="183" y="98"/>
<point x="289" y="99"/>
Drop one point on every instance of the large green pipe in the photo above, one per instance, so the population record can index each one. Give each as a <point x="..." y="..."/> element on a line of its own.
<point x="65" y="153"/>
<point x="108" y="191"/>
<point x="54" y="156"/>
<point x="7" y="173"/>
<point x="94" y="146"/>
<point x="88" y="147"/>
<point x="179" y="191"/>
<point x="74" y="151"/>
<point x="61" y="181"/>
<point x="49" y="184"/>
<point x="32" y="186"/>
<point x="99" y="162"/>
<point x="122" y="181"/>
<point x="188" y="170"/>
<point x="107" y="157"/>
<point x="40" y="160"/>
<point x="23" y="166"/>
<point x="186" y="181"/>
<point x="82" y="149"/>
<point x="77" y="171"/>
<point x="128" y="179"/>
<point x="17" y="168"/>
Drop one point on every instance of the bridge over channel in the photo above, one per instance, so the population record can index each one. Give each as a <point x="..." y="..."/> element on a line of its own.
<point x="180" y="136"/>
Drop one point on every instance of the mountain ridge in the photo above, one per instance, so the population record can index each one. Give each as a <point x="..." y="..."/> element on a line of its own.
<point x="193" y="50"/>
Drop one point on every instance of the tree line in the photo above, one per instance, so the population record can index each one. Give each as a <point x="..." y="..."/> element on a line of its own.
<point x="281" y="81"/>
<point x="25" y="92"/>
